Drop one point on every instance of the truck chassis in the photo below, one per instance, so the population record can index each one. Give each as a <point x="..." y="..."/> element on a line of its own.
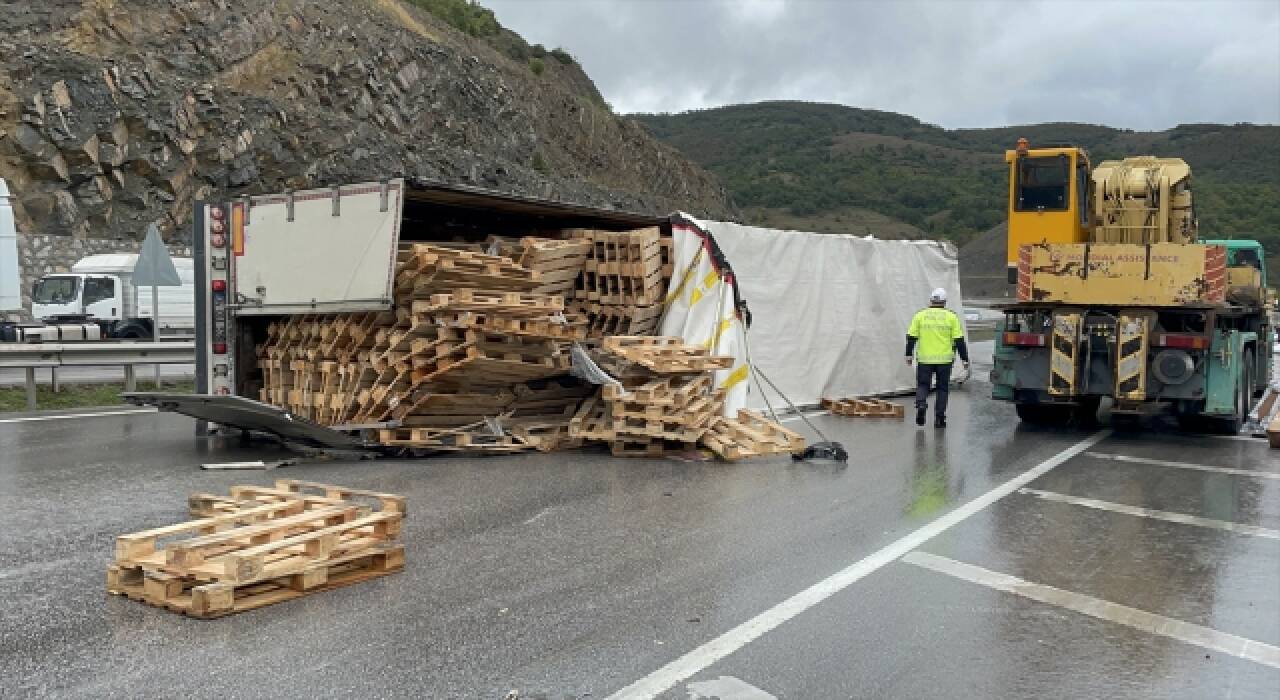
<point x="1057" y="362"/>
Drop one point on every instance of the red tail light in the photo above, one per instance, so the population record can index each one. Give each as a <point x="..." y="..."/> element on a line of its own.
<point x="1034" y="340"/>
<point x="1184" y="341"/>
<point x="219" y="348"/>
<point x="219" y="285"/>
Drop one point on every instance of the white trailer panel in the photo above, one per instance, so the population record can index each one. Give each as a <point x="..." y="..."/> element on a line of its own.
<point x="326" y="251"/>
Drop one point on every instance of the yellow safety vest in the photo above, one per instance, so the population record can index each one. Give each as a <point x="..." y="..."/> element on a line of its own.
<point x="935" y="330"/>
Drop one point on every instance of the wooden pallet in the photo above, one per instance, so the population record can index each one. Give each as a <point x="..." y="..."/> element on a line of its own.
<point x="559" y="263"/>
<point x="565" y="327"/>
<point x="476" y="439"/>
<point x="864" y="407"/>
<point x="212" y="600"/>
<point x="261" y="545"/>
<point x="627" y="320"/>
<point x="424" y="270"/>
<point x="623" y="268"/>
<point x="665" y="354"/>
<point x="509" y="303"/>
<point x="750" y="435"/>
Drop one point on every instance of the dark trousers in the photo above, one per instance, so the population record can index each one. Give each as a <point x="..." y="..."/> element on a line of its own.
<point x="924" y="377"/>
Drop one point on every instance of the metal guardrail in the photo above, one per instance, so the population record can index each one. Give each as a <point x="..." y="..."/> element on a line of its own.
<point x="33" y="356"/>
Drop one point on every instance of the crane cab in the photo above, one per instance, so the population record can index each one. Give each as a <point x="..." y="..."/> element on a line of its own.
<point x="1049" y="195"/>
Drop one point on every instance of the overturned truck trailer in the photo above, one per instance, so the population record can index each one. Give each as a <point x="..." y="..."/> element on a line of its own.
<point x="820" y="315"/>
<point x="829" y="311"/>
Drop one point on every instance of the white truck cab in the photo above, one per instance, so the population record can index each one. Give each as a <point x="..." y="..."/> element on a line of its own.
<point x="100" y="288"/>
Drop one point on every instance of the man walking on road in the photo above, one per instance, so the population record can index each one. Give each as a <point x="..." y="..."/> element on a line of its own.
<point x="935" y="337"/>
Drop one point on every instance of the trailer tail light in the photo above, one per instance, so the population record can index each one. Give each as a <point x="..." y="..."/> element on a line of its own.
<point x="219" y="348"/>
<point x="1031" y="340"/>
<point x="219" y="285"/>
<point x="1182" y="341"/>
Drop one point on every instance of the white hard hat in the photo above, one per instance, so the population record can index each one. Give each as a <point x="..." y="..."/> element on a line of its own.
<point x="939" y="295"/>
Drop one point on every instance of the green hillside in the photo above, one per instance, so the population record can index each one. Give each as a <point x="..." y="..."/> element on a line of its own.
<point x="808" y="164"/>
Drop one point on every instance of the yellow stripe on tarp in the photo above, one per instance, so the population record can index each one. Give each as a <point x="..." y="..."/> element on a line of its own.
<point x="684" y="279"/>
<point x="720" y="329"/>
<point x="695" y="297"/>
<point x="736" y="377"/>
<point x="710" y="280"/>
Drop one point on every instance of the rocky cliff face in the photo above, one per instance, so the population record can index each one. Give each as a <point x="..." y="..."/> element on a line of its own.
<point x="118" y="113"/>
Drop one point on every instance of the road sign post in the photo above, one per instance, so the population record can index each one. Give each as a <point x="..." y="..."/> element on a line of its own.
<point x="155" y="268"/>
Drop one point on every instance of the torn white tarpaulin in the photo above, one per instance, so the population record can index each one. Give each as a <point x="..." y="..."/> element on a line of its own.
<point x="829" y="312"/>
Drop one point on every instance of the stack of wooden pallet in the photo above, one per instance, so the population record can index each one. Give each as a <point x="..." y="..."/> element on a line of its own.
<point x="665" y="399"/>
<point x="624" y="281"/>
<point x="467" y="331"/>
<point x="260" y="546"/>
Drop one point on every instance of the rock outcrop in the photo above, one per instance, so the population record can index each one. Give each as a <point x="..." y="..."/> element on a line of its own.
<point x="118" y="113"/>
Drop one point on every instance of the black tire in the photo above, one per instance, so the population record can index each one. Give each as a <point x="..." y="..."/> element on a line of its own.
<point x="1044" y="414"/>
<point x="1232" y="424"/>
<point x="1190" y="422"/>
<point x="1249" y="380"/>
<point x="1086" y="413"/>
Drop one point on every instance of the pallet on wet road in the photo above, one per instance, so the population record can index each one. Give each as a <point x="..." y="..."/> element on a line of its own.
<point x="867" y="407"/>
<point x="750" y="435"/>
<point x="260" y="545"/>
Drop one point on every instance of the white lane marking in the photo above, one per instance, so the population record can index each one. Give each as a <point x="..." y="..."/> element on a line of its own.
<point x="1180" y="518"/>
<point x="65" y="416"/>
<point x="727" y="688"/>
<point x="1205" y="637"/>
<point x="668" y="676"/>
<point x="1184" y="465"/>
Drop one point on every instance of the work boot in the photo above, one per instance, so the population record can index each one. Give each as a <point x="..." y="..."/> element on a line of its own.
<point x="940" y="422"/>
<point x="920" y="414"/>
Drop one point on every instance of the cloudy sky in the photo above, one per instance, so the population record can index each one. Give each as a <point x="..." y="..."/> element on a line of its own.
<point x="958" y="63"/>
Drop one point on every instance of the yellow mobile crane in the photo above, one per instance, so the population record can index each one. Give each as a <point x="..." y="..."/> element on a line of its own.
<point x="1117" y="296"/>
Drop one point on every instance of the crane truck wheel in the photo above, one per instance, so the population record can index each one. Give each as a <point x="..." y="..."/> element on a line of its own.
<point x="1043" y="414"/>
<point x="1231" y="425"/>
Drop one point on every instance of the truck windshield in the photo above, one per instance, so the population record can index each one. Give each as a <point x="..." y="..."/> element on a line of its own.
<point x="56" y="290"/>
<point x="1043" y="182"/>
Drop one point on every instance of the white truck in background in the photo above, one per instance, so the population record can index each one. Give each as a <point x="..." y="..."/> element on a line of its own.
<point x="96" y="300"/>
<point x="10" y="278"/>
<point x="99" y="289"/>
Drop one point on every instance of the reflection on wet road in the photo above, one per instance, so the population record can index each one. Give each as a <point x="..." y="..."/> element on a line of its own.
<point x="984" y="560"/>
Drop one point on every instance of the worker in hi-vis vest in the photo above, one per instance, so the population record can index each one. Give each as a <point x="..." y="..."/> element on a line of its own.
<point x="935" y="337"/>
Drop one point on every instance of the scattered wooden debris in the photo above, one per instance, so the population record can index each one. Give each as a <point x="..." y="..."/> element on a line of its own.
<point x="475" y="355"/>
<point x="864" y="407"/>
<point x="260" y="546"/>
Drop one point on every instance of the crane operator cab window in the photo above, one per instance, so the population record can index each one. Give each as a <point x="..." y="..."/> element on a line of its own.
<point x="1044" y="183"/>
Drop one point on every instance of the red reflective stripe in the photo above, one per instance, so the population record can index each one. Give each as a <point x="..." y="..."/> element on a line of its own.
<point x="1025" y="339"/>
<point x="1182" y="340"/>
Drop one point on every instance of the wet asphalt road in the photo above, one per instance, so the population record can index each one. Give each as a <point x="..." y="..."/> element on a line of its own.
<point x="574" y="574"/>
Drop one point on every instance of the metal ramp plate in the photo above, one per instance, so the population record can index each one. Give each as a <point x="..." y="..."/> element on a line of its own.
<point x="246" y="414"/>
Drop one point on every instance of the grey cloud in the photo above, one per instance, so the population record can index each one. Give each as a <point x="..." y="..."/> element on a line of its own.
<point x="967" y="63"/>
